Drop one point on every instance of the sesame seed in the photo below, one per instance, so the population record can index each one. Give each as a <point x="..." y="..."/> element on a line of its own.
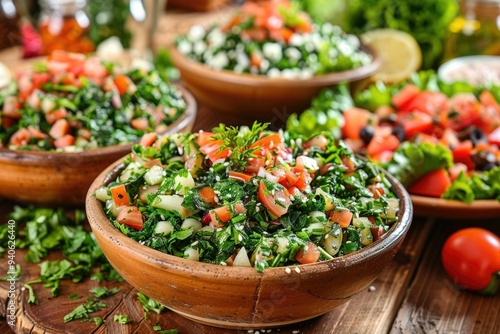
<point x="288" y="270"/>
<point x="297" y="270"/>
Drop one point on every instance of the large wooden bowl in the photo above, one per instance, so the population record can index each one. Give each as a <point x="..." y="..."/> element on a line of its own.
<point x="55" y="178"/>
<point x="258" y="97"/>
<point x="237" y="297"/>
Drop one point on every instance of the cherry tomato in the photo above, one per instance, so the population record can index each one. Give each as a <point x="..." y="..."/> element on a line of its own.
<point x="471" y="257"/>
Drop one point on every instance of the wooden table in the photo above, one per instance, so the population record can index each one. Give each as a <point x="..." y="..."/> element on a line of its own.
<point x="412" y="295"/>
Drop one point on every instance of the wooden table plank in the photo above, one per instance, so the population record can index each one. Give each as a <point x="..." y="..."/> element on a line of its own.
<point x="434" y="305"/>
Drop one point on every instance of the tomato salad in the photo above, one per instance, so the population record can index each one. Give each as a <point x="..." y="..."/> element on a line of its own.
<point x="275" y="39"/>
<point x="72" y="102"/>
<point x="249" y="197"/>
<point x="438" y="139"/>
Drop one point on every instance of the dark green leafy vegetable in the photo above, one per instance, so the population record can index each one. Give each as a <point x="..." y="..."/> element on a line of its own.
<point x="149" y="304"/>
<point x="122" y="319"/>
<point x="477" y="186"/>
<point x="102" y="292"/>
<point x="83" y="311"/>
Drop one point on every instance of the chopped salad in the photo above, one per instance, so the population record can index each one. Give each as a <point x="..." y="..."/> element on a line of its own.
<point x="72" y="102"/>
<point x="438" y="139"/>
<point x="274" y="39"/>
<point x="249" y="197"/>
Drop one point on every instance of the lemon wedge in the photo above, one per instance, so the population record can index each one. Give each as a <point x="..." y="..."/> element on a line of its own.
<point x="399" y="52"/>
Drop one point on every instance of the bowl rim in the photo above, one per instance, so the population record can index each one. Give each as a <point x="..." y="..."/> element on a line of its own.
<point x="96" y="216"/>
<point x="252" y="80"/>
<point x="26" y="156"/>
<point x="452" y="64"/>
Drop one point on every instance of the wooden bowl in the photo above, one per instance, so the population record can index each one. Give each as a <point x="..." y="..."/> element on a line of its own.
<point x="54" y="178"/>
<point x="238" y="297"/>
<point x="258" y="97"/>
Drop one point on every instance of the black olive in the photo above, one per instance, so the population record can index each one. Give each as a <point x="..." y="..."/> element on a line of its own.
<point x="366" y="134"/>
<point x="477" y="136"/>
<point x="483" y="158"/>
<point x="488" y="166"/>
<point x="399" y="132"/>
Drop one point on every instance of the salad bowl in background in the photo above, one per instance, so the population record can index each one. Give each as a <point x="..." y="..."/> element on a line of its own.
<point x="259" y="97"/>
<point x="241" y="297"/>
<point x="62" y="178"/>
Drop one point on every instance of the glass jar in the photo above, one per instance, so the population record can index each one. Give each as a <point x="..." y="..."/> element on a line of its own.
<point x="64" y="25"/>
<point x="475" y="31"/>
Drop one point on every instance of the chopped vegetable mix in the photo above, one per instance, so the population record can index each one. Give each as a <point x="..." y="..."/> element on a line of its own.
<point x="250" y="197"/>
<point x="275" y="39"/>
<point x="72" y="102"/>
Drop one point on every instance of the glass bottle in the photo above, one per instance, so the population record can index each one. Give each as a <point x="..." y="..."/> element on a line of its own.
<point x="64" y="25"/>
<point x="475" y="31"/>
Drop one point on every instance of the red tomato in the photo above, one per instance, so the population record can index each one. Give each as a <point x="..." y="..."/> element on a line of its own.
<point x="379" y="144"/>
<point x="415" y="122"/>
<point x="465" y="111"/>
<point x="404" y="96"/>
<point x="277" y="201"/>
<point x="462" y="153"/>
<point x="430" y="103"/>
<point x="471" y="257"/>
<point x="308" y="254"/>
<point x="432" y="184"/>
<point x="130" y="216"/>
<point x="356" y="119"/>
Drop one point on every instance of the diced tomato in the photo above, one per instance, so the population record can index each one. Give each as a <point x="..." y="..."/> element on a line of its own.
<point x="356" y="119"/>
<point x="380" y="144"/>
<point x="342" y="217"/>
<point x="320" y="141"/>
<point x="213" y="152"/>
<point x="130" y="216"/>
<point x="140" y="123"/>
<point x="148" y="139"/>
<point x="384" y="156"/>
<point x="122" y="83"/>
<point x="465" y="110"/>
<point x="488" y="100"/>
<point x="60" y="128"/>
<point x="308" y="254"/>
<point x="377" y="232"/>
<point x="40" y="79"/>
<point x="277" y="201"/>
<point x="494" y="137"/>
<point x="120" y="195"/>
<point x="204" y="138"/>
<point x="354" y="144"/>
<point x="255" y="59"/>
<point x="462" y="153"/>
<point x="432" y="184"/>
<point x="404" y="96"/>
<point x="240" y="176"/>
<point x="64" y="141"/>
<point x="7" y="122"/>
<point x="269" y="142"/>
<point x="430" y="103"/>
<point x="207" y="194"/>
<point x="55" y="115"/>
<point x="415" y="122"/>
<point x="282" y="34"/>
<point x="290" y="179"/>
<point x="303" y="181"/>
<point x="20" y="137"/>
<point x="10" y="107"/>
<point x="257" y="34"/>
<point x="377" y="190"/>
<point x="221" y="215"/>
<point x="254" y="164"/>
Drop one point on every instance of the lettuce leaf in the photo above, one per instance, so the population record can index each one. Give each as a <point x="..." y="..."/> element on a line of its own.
<point x="483" y="185"/>
<point x="412" y="161"/>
